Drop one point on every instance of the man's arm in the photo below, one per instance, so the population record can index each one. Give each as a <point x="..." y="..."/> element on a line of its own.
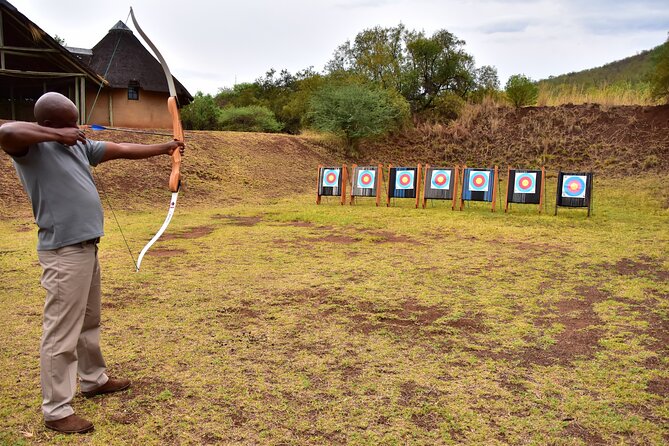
<point x="15" y="137"/>
<point x="139" y="151"/>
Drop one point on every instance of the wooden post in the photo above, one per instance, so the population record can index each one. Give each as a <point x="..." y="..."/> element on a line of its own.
<point x="589" y="176"/>
<point x="418" y="172"/>
<point x="541" y="191"/>
<point x="379" y="177"/>
<point x="318" y="184"/>
<point x="494" y="188"/>
<point x="427" y="167"/>
<point x="557" y="191"/>
<point x="390" y="166"/>
<point x="344" y="180"/>
<point x="508" y="185"/>
<point x="353" y="181"/>
<point x="456" y="183"/>
<point x="464" y="167"/>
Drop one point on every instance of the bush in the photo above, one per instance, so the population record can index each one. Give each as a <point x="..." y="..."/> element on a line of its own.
<point x="201" y="114"/>
<point x="447" y="106"/>
<point x="521" y="91"/>
<point x="357" y="111"/>
<point x="660" y="75"/>
<point x="253" y="118"/>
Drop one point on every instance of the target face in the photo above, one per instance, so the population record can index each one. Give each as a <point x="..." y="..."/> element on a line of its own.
<point x="441" y="179"/>
<point x="366" y="179"/>
<point x="330" y="177"/>
<point x="479" y="181"/>
<point x="404" y="179"/>
<point x="526" y="183"/>
<point x="573" y="186"/>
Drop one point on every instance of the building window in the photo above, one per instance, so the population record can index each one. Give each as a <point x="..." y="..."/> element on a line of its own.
<point x="133" y="91"/>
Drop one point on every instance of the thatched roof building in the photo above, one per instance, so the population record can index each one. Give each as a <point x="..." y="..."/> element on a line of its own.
<point x="130" y="62"/>
<point x="117" y="82"/>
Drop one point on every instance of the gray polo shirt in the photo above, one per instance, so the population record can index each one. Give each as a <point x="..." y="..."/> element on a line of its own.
<point x="65" y="201"/>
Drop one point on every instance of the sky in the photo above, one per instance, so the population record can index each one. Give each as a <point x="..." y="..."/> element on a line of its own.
<point x="216" y="44"/>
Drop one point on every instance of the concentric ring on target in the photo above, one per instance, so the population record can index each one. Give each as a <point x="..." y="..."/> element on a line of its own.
<point x="574" y="186"/>
<point x="478" y="181"/>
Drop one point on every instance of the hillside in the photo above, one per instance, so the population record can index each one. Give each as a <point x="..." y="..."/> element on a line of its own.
<point x="623" y="82"/>
<point x="222" y="168"/>
<point x="633" y="69"/>
<point x="219" y="168"/>
<point x="612" y="141"/>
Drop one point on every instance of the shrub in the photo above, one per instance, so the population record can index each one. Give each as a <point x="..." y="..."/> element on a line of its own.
<point x="357" y="111"/>
<point x="521" y="91"/>
<point x="253" y="118"/>
<point x="201" y="114"/>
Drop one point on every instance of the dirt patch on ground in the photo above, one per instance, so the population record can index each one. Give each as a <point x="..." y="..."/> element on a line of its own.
<point x="236" y="220"/>
<point x="575" y="430"/>
<point x="641" y="266"/>
<point x="578" y="340"/>
<point x="659" y="386"/>
<point x="191" y="233"/>
<point x="337" y="239"/>
<point x="408" y="319"/>
<point x="390" y="237"/>
<point x="158" y="252"/>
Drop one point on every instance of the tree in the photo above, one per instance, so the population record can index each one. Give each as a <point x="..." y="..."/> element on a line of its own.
<point x="659" y="78"/>
<point x="438" y="64"/>
<point x="419" y="67"/>
<point x="487" y="84"/>
<point x="252" y="118"/>
<point x="357" y="111"/>
<point x="521" y="90"/>
<point x="201" y="114"/>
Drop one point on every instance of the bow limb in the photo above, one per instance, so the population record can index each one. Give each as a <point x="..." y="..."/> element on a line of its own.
<point x="177" y="130"/>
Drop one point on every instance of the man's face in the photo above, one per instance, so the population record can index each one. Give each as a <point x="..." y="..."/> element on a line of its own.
<point x="67" y="118"/>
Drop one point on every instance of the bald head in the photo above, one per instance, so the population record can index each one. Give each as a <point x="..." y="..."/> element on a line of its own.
<point x="55" y="110"/>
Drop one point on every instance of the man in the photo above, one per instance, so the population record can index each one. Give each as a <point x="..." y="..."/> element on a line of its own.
<point x="52" y="159"/>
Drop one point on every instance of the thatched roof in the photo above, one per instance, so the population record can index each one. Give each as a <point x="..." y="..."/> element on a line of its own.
<point x="130" y="61"/>
<point x="22" y="36"/>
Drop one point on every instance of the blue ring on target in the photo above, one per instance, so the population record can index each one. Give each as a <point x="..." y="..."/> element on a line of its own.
<point x="479" y="180"/>
<point x="525" y="183"/>
<point x="404" y="179"/>
<point x="366" y="179"/>
<point x="441" y="179"/>
<point x="573" y="186"/>
<point x="330" y="177"/>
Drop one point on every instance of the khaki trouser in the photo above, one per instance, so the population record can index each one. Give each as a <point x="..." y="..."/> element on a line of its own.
<point x="71" y="330"/>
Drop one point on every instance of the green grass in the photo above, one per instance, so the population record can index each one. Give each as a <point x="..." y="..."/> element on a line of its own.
<point x="291" y="323"/>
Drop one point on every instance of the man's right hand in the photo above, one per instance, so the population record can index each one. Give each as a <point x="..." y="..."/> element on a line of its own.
<point x="70" y="136"/>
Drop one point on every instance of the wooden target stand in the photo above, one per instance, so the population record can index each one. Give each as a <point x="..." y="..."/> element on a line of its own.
<point x="454" y="190"/>
<point x="562" y="200"/>
<point x="494" y="187"/>
<point x="511" y="185"/>
<point x="354" y="185"/>
<point x="343" y="182"/>
<point x="417" y="182"/>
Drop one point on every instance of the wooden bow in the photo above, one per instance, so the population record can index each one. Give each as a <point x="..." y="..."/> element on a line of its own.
<point x="178" y="132"/>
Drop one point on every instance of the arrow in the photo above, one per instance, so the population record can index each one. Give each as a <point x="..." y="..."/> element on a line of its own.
<point x="97" y="127"/>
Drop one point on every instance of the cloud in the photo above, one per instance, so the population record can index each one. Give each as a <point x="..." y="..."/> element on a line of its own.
<point x="504" y="26"/>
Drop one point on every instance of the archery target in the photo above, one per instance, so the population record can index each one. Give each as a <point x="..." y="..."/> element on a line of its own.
<point x="366" y="179"/>
<point x="441" y="179"/>
<point x="526" y="183"/>
<point x="573" y="186"/>
<point x="404" y="179"/>
<point x="330" y="177"/>
<point x="479" y="181"/>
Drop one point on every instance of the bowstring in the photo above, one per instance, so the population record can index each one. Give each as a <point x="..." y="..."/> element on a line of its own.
<point x="95" y="174"/>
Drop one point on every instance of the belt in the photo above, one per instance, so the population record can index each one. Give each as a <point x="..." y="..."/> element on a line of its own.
<point x="93" y="241"/>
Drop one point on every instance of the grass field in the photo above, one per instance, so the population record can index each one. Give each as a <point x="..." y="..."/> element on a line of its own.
<point x="295" y="324"/>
